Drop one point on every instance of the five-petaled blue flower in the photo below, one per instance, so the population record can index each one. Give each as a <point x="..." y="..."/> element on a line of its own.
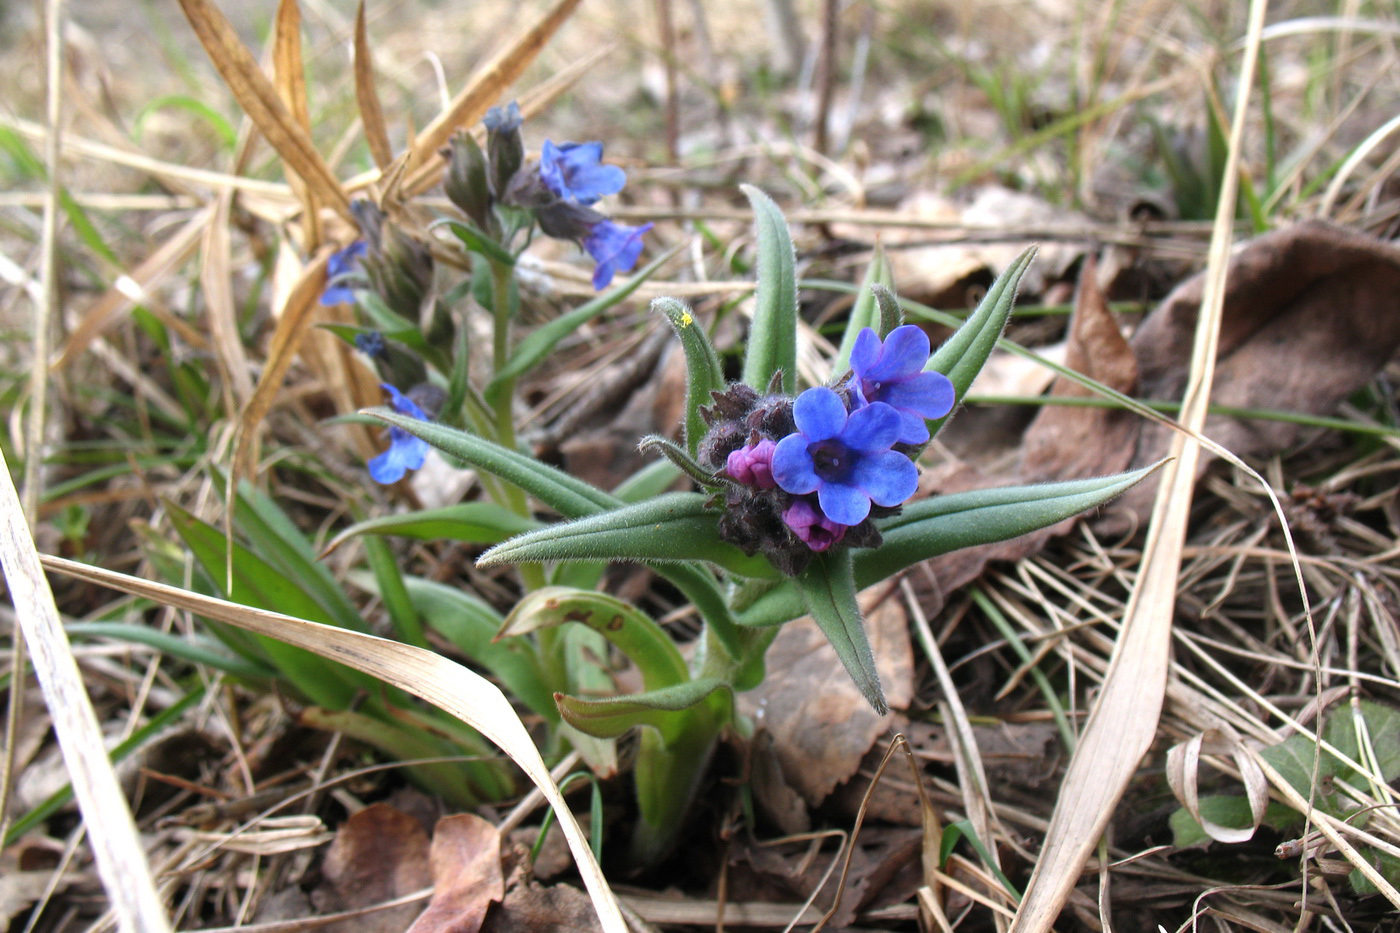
<point x="614" y="247"/>
<point x="845" y="459"/>
<point x="893" y="373"/>
<point x="574" y="170"/>
<point x="342" y="264"/>
<point x="405" y="452"/>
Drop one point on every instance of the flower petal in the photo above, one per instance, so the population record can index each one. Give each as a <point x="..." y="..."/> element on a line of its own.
<point x="405" y="453"/>
<point x="844" y="505"/>
<point x="865" y="353"/>
<point x="792" y="466"/>
<point x="819" y="413"/>
<point x="888" y="478"/>
<point x="930" y="394"/>
<point x="872" y="428"/>
<point x="404" y="406"/>
<point x="615" y="247"/>
<point x="905" y="352"/>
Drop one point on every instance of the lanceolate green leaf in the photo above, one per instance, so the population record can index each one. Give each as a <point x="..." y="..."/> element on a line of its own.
<point x="945" y="523"/>
<point x="773" y="339"/>
<point x="865" y="312"/>
<point x="470" y="625"/>
<point x="471" y="523"/>
<point x="673" y="527"/>
<point x="571" y="497"/>
<point x="628" y="629"/>
<point x="610" y="717"/>
<point x="828" y="591"/>
<point x="962" y="355"/>
<point x="704" y="374"/>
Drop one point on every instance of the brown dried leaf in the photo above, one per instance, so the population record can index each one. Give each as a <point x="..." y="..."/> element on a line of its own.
<point x="532" y="908"/>
<point x="286" y="341"/>
<point x="1074" y="443"/>
<point x="290" y="76"/>
<point x="259" y="99"/>
<point x="380" y="853"/>
<point x="466" y="863"/>
<point x="366" y="95"/>
<point x="1309" y="318"/>
<point x="216" y="282"/>
<point x="820" y="723"/>
<point x="1183" y="776"/>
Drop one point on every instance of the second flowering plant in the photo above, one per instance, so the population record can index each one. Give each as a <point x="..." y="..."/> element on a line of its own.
<point x="803" y="496"/>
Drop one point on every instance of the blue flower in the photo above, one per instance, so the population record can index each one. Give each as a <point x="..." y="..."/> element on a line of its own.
<point x="845" y="459"/>
<point x="893" y="373"/>
<point x="614" y="247"/>
<point x="341" y="266"/>
<point x="573" y="170"/>
<point x="405" y="452"/>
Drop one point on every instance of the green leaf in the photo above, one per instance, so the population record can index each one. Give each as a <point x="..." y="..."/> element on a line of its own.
<point x="194" y="648"/>
<point x="407" y="624"/>
<point x="864" y="313"/>
<point x="256" y="583"/>
<point x="828" y="589"/>
<point x="962" y="356"/>
<point x="941" y="524"/>
<point x="477" y="241"/>
<point x="609" y="717"/>
<point x="470" y="523"/>
<point x="773" y="338"/>
<point x="569" y="496"/>
<point x="648" y="482"/>
<point x="573" y="498"/>
<point x="542" y="341"/>
<point x="676" y="526"/>
<point x="628" y="629"/>
<point x="704" y="372"/>
<point x="1229" y="811"/>
<point x="470" y="625"/>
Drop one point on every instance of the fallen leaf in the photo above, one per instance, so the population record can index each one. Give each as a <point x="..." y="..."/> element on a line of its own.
<point x="533" y="908"/>
<point x="820" y="723"/>
<point x="380" y="853"/>
<point x="466" y="864"/>
<point x="1309" y="318"/>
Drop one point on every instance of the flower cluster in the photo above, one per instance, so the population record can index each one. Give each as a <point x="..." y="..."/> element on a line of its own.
<point x="808" y="473"/>
<point x="558" y="191"/>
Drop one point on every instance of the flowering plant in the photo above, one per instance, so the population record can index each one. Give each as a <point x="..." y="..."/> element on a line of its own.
<point x="803" y="499"/>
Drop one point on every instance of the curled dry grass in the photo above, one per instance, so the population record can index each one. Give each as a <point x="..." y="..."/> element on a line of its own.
<point x="1254" y="658"/>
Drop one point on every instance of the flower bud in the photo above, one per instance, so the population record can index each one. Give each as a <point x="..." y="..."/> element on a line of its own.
<point x="504" y="145"/>
<point x="466" y="185"/>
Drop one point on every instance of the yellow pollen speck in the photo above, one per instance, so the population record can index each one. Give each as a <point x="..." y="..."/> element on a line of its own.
<point x="686" y="319"/>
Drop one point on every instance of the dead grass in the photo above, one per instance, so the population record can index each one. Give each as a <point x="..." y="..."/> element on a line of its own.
<point x="1099" y="112"/>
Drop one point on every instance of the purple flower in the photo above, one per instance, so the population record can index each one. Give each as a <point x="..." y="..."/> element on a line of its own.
<point x="614" y="247"/>
<point x="752" y="464"/>
<point x="405" y="452"/>
<point x="893" y="373"/>
<point x="845" y="459"/>
<point x="813" y="528"/>
<point x="341" y="266"/>
<point x="573" y="170"/>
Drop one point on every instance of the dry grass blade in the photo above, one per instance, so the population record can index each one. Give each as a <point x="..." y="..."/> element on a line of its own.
<point x="437" y="680"/>
<point x="116" y="845"/>
<point x="216" y="281"/>
<point x="1123" y="723"/>
<point x="259" y="99"/>
<point x="290" y="75"/>
<point x="371" y="112"/>
<point x="125" y="293"/>
<point x="488" y="84"/>
<point x="292" y="329"/>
